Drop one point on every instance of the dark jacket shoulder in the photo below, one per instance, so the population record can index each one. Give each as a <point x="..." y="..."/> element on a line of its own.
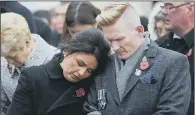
<point x="165" y="40"/>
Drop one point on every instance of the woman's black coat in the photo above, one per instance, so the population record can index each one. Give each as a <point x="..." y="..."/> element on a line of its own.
<point x="42" y="90"/>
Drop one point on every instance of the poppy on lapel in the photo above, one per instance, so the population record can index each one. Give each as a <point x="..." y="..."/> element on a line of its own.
<point x="144" y="64"/>
<point x="148" y="78"/>
<point x="80" y="92"/>
<point x="189" y="53"/>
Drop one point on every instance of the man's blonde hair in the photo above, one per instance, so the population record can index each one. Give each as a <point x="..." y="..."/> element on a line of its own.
<point x="112" y="12"/>
<point x="14" y="32"/>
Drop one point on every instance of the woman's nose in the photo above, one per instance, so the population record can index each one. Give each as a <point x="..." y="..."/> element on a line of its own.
<point x="82" y="72"/>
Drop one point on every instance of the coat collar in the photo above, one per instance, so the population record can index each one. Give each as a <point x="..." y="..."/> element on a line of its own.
<point x="53" y="67"/>
<point x="151" y="53"/>
<point x="189" y="38"/>
<point x="152" y="50"/>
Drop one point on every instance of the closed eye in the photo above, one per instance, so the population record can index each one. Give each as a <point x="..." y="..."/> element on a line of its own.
<point x="119" y="38"/>
<point x="80" y="62"/>
<point x="90" y="70"/>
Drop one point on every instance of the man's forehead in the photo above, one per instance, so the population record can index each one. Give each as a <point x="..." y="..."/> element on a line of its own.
<point x="109" y="33"/>
<point x="115" y="27"/>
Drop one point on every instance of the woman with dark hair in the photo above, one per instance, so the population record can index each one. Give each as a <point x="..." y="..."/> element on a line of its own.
<point x="79" y="16"/>
<point x="60" y="86"/>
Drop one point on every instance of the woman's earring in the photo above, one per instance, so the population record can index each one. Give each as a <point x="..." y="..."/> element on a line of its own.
<point x="64" y="55"/>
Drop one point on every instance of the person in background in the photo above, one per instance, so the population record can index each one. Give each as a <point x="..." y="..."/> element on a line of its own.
<point x="44" y="30"/>
<point x="20" y="49"/>
<point x="160" y="26"/>
<point x="42" y="20"/>
<point x="79" y="16"/>
<point x="76" y="20"/>
<point x="16" y="7"/>
<point x="57" y="17"/>
<point x="141" y="78"/>
<point x="57" y="21"/>
<point x="44" y="15"/>
<point x="60" y="87"/>
<point x="179" y="20"/>
<point x="144" y="22"/>
<point x="156" y="26"/>
<point x="49" y="35"/>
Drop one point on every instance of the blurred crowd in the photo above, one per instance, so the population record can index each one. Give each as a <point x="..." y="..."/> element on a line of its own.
<point x="49" y="22"/>
<point x="44" y="32"/>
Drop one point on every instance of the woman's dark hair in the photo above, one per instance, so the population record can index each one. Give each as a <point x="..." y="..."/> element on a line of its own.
<point x="91" y="41"/>
<point x="80" y="13"/>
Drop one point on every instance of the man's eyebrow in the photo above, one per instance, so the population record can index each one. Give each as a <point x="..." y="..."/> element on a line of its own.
<point x="168" y="4"/>
<point x="119" y="36"/>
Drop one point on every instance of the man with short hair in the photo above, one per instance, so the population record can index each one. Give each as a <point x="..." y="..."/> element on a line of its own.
<point x="179" y="20"/>
<point x="141" y="78"/>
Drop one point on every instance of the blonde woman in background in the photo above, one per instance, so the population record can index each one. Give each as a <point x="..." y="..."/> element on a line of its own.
<point x="20" y="48"/>
<point x="156" y="25"/>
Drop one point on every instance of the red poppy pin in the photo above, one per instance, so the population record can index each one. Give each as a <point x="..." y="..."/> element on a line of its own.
<point x="189" y="53"/>
<point x="80" y="92"/>
<point x="144" y="64"/>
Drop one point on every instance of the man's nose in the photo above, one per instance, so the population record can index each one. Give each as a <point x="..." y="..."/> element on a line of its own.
<point x="114" y="45"/>
<point x="164" y="11"/>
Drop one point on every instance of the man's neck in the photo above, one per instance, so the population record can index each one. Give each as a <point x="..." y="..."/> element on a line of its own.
<point x="184" y="30"/>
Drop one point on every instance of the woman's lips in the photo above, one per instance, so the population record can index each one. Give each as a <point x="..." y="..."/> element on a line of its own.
<point x="75" y="77"/>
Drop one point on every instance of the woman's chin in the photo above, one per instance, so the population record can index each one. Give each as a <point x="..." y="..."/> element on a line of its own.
<point x="70" y="79"/>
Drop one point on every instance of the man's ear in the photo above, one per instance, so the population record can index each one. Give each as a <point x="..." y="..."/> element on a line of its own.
<point x="140" y="30"/>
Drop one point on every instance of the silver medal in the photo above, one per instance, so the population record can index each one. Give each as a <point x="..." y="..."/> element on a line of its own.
<point x="101" y="99"/>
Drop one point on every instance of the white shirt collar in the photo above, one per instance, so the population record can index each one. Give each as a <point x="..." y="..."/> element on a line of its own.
<point x="176" y="36"/>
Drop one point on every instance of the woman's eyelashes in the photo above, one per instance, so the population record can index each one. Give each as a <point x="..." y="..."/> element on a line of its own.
<point x="80" y="63"/>
<point x="90" y="70"/>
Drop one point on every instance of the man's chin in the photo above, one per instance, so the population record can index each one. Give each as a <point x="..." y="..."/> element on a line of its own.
<point x="123" y="57"/>
<point x="169" y="28"/>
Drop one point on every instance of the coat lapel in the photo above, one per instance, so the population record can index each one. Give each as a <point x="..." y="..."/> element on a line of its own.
<point x="62" y="100"/>
<point x="68" y="96"/>
<point x="133" y="80"/>
<point x="111" y="80"/>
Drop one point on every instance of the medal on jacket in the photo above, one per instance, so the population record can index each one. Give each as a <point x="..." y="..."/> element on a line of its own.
<point x="101" y="99"/>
